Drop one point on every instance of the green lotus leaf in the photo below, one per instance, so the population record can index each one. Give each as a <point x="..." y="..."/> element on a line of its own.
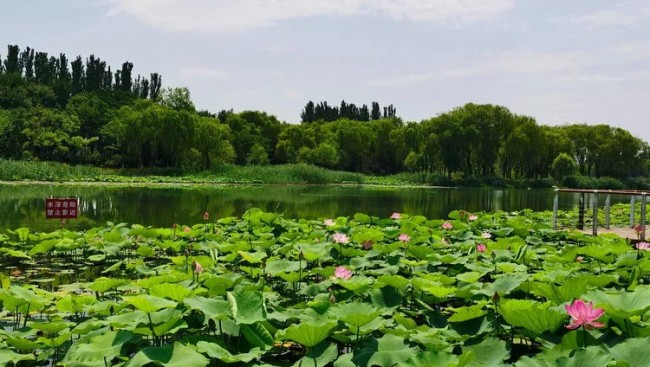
<point x="43" y="247"/>
<point x="214" y="350"/>
<point x="531" y="315"/>
<point x="275" y="267"/>
<point x="386" y="297"/>
<point x="293" y="277"/>
<point x="173" y="291"/>
<point x="52" y="327"/>
<point x="632" y="351"/>
<point x="170" y="355"/>
<point x="128" y="320"/>
<point x="215" y="309"/>
<point x="15" y="253"/>
<point x="432" y="358"/>
<point x="257" y="335"/>
<point x="440" y="291"/>
<point x="56" y="341"/>
<point x="368" y="234"/>
<point x="467" y="313"/>
<point x="8" y="356"/>
<point x="547" y="358"/>
<point x="320" y="355"/>
<point x="147" y="303"/>
<point x="5" y="281"/>
<point x="396" y="281"/>
<point x="491" y="352"/>
<point x="357" y="283"/>
<point x="592" y="356"/>
<point x="431" y="339"/>
<point x="165" y="322"/>
<point x="469" y="277"/>
<point x="103" y="284"/>
<point x="420" y="252"/>
<point x="504" y="284"/>
<point x="75" y="304"/>
<point x="23" y="344"/>
<point x="253" y="257"/>
<point x="355" y="314"/>
<point x="389" y="350"/>
<point x="622" y="304"/>
<point x="308" y="334"/>
<point x="247" y="307"/>
<point x="315" y="251"/>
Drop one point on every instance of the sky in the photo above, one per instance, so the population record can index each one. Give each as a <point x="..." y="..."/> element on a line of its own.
<point x="559" y="61"/>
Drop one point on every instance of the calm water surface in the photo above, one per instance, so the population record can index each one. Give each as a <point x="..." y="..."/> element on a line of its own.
<point x="23" y="205"/>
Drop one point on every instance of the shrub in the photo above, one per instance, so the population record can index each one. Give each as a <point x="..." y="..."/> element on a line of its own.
<point x="610" y="183"/>
<point x="580" y="182"/>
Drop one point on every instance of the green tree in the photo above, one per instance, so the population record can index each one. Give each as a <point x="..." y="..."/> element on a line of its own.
<point x="211" y="141"/>
<point x="177" y="99"/>
<point x="563" y="165"/>
<point x="258" y="155"/>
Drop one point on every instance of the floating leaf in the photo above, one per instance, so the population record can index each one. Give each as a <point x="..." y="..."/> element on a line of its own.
<point x="147" y="303"/>
<point x="170" y="355"/>
<point x="389" y="350"/>
<point x="247" y="307"/>
<point x="308" y="334"/>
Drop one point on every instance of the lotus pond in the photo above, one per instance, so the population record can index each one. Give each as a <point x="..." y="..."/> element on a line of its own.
<point x="484" y="289"/>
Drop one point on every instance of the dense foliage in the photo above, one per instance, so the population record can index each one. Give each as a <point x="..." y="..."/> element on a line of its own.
<point x="500" y="289"/>
<point x="83" y="113"/>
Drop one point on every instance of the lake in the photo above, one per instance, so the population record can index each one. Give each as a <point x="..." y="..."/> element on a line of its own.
<point x="156" y="205"/>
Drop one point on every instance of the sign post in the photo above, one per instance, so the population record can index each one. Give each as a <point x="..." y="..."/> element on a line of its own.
<point x="61" y="208"/>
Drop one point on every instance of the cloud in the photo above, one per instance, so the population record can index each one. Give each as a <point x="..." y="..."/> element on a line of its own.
<point x="228" y="16"/>
<point x="628" y="14"/>
<point x="561" y="67"/>
<point x="202" y="73"/>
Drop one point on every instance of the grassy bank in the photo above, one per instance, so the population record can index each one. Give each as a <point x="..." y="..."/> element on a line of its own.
<point x="231" y="174"/>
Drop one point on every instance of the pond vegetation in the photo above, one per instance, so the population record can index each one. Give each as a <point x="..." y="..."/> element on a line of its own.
<point x="476" y="289"/>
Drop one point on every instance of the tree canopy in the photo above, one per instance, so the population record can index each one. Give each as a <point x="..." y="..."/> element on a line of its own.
<point x="79" y="111"/>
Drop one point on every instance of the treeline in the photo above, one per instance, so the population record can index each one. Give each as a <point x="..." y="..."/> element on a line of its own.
<point x="324" y="112"/>
<point x="86" y="114"/>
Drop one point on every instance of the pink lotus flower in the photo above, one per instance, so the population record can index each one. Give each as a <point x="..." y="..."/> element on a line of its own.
<point x="328" y="222"/>
<point x="487" y="235"/>
<point x="580" y="259"/>
<point x="638" y="229"/>
<point x="447" y="225"/>
<point x="395" y="216"/>
<point x="367" y="245"/>
<point x="186" y="229"/>
<point x="404" y="237"/>
<point x="583" y="314"/>
<point x="643" y="246"/>
<point x="340" y="238"/>
<point x="472" y="217"/>
<point x="206" y="215"/>
<point x="342" y="273"/>
<point x="481" y="247"/>
<point x="198" y="269"/>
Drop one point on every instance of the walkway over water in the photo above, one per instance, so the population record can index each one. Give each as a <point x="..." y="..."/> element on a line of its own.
<point x="629" y="232"/>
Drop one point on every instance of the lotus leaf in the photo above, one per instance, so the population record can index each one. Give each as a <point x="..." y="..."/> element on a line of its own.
<point x="247" y="307"/>
<point x="170" y="355"/>
<point x="147" y="303"/>
<point x="307" y="333"/>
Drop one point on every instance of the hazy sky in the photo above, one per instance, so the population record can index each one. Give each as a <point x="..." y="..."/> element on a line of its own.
<point x="556" y="60"/>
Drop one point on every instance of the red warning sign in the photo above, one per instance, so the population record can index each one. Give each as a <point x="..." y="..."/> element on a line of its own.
<point x="61" y="208"/>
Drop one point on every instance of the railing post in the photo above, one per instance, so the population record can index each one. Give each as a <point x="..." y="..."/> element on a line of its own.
<point x="643" y="204"/>
<point x="556" y="202"/>
<point x="607" y="210"/>
<point x="632" y="210"/>
<point x="581" y="212"/>
<point x="594" y="221"/>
